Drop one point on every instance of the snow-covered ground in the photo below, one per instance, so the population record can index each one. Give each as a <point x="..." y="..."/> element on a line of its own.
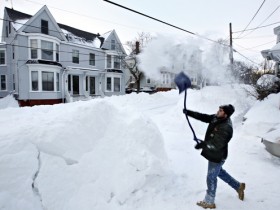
<point x="134" y="152"/>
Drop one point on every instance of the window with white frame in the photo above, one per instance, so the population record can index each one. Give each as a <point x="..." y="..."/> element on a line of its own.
<point x="109" y="61"/>
<point x="113" y="83"/>
<point x="47" y="81"/>
<point x="75" y="56"/>
<point x="117" y="62"/>
<point x="117" y="84"/>
<point x="113" y="62"/>
<point x="47" y="50"/>
<point x="2" y="57"/>
<point x="44" y="81"/>
<point x="3" y="80"/>
<point x="165" y="78"/>
<point x="92" y="59"/>
<point x="148" y="81"/>
<point x="44" y="49"/>
<point x="34" y="81"/>
<point x="34" y="48"/>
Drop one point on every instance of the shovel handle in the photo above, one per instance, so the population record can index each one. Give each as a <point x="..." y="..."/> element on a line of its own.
<point x="194" y="136"/>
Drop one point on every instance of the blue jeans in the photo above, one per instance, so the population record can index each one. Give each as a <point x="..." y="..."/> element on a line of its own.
<point x="215" y="170"/>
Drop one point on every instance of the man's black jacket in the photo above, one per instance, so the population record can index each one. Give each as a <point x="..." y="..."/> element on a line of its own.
<point x="217" y="137"/>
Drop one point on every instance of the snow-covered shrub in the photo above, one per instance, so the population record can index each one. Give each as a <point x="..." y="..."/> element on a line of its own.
<point x="266" y="85"/>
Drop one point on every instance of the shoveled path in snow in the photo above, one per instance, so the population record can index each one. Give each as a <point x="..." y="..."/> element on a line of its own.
<point x="247" y="161"/>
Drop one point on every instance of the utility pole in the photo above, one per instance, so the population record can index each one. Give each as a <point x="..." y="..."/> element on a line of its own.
<point x="137" y="50"/>
<point x="230" y="44"/>
<point x="138" y="73"/>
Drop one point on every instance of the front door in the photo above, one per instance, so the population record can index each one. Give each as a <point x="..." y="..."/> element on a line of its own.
<point x="92" y="86"/>
<point x="76" y="84"/>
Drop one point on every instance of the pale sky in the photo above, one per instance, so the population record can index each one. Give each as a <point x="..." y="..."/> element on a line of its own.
<point x="208" y="18"/>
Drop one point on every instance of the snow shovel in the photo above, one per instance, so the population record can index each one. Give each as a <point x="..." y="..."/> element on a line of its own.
<point x="183" y="82"/>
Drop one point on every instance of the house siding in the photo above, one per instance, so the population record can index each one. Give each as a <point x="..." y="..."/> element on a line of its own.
<point x="35" y="26"/>
<point x="6" y="70"/>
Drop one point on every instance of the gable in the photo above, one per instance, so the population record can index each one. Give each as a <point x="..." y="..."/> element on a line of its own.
<point x="116" y="43"/>
<point x="33" y="25"/>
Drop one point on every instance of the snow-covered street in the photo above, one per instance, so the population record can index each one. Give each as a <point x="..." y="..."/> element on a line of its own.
<point x="134" y="152"/>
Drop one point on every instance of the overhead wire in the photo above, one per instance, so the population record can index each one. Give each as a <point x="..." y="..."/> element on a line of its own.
<point x="246" y="58"/>
<point x="257" y="37"/>
<point x="262" y="21"/>
<point x="255" y="46"/>
<point x="158" y="20"/>
<point x="252" y="19"/>
<point x="243" y="48"/>
<point x="258" y="27"/>
<point x="24" y="24"/>
<point x="192" y="33"/>
<point x="83" y="15"/>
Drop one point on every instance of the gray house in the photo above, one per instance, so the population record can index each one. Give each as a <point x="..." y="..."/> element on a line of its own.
<point x="44" y="62"/>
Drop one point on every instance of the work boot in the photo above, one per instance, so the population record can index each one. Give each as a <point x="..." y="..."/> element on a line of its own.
<point x="240" y="191"/>
<point x="205" y="205"/>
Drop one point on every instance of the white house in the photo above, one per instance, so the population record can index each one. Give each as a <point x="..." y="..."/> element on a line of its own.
<point x="45" y="62"/>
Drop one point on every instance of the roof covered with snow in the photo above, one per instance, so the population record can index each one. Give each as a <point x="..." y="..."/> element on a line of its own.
<point x="20" y="18"/>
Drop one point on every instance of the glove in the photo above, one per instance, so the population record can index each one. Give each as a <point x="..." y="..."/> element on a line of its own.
<point x="185" y="111"/>
<point x="200" y="145"/>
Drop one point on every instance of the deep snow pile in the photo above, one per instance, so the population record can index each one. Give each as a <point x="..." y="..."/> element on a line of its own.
<point x="86" y="154"/>
<point x="8" y="102"/>
<point x="265" y="127"/>
<point x="134" y="152"/>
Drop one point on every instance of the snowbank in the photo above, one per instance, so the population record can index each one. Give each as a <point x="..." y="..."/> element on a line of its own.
<point x="263" y="118"/>
<point x="8" y="102"/>
<point x="134" y="152"/>
<point x="70" y="151"/>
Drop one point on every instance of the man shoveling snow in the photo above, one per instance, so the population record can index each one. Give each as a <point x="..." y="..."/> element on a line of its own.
<point x="215" y="150"/>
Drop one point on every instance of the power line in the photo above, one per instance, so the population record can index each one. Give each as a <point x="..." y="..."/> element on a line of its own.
<point x="263" y="21"/>
<point x="130" y="26"/>
<point x="257" y="45"/>
<point x="176" y="27"/>
<point x="118" y="44"/>
<point x="270" y="14"/>
<point x="24" y="24"/>
<point x="150" y="17"/>
<point x="252" y="18"/>
<point x="60" y="51"/>
<point x="195" y="34"/>
<point x="255" y="51"/>
<point x="256" y="37"/>
<point x="87" y="16"/>
<point x="257" y="27"/>
<point x="187" y="31"/>
<point x="246" y="57"/>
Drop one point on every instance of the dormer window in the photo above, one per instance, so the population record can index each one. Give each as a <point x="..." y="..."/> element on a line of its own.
<point x="113" y="44"/>
<point x="44" y="27"/>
